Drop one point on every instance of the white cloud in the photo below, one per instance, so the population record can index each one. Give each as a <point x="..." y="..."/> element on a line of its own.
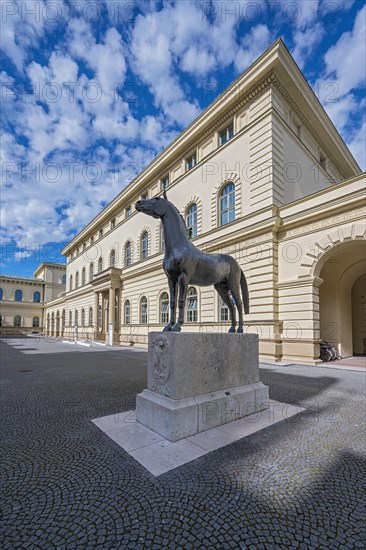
<point x="343" y="75"/>
<point x="357" y="145"/>
<point x="25" y="23"/>
<point x="305" y="41"/>
<point x="341" y="109"/>
<point x="253" y="45"/>
<point x="106" y="58"/>
<point x="345" y="61"/>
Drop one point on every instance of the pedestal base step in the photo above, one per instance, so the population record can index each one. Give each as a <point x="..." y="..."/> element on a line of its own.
<point x="158" y="455"/>
<point x="175" y="419"/>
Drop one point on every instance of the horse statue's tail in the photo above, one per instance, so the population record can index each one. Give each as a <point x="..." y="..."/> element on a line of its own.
<point x="244" y="291"/>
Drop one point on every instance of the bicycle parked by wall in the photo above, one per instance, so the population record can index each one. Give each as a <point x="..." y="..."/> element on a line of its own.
<point x="328" y="352"/>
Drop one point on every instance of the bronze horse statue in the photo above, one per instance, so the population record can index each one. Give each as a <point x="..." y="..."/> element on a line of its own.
<point x="185" y="265"/>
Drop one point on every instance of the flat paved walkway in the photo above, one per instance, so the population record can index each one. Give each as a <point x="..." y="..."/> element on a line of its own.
<point x="297" y="484"/>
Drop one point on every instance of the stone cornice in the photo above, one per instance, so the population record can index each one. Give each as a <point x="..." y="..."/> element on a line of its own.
<point x="306" y="281"/>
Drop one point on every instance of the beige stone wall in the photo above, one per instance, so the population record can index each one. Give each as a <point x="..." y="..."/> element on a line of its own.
<point x="27" y="309"/>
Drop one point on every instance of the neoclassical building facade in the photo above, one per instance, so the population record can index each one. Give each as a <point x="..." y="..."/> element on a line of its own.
<point x="22" y="299"/>
<point x="261" y="174"/>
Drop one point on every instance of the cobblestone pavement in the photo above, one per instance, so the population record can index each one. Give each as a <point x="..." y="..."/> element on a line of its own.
<point x="297" y="484"/>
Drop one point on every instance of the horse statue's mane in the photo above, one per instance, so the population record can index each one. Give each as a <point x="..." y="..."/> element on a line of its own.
<point x="180" y="217"/>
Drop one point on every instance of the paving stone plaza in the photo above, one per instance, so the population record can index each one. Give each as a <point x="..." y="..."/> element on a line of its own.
<point x="299" y="483"/>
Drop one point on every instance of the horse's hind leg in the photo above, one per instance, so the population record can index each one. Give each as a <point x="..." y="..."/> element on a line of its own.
<point x="223" y="291"/>
<point x="235" y="291"/>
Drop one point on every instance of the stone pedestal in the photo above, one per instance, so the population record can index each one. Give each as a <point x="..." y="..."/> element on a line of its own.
<point x="200" y="381"/>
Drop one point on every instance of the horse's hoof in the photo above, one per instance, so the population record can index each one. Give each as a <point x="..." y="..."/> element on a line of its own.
<point x="167" y="329"/>
<point x="176" y="328"/>
<point x="240" y="330"/>
<point x="232" y="329"/>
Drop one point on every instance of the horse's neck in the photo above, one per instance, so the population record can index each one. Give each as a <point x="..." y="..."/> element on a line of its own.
<point x="175" y="232"/>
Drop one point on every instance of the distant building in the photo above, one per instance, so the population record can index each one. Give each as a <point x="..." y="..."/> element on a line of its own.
<point x="22" y="300"/>
<point x="261" y="174"/>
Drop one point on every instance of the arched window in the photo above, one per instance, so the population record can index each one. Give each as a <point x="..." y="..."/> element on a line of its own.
<point x="127" y="315"/>
<point x="35" y="323"/>
<point x="18" y="295"/>
<point x="91" y="272"/>
<point x="164" y="308"/>
<point x="100" y="264"/>
<point x="112" y="258"/>
<point x="83" y="317"/>
<point x="192" y="305"/>
<point x="70" y="282"/>
<point x="144" y="245"/>
<point x="77" y="279"/>
<point x="83" y="276"/>
<point x="90" y="316"/>
<point x="143" y="310"/>
<point x="161" y="239"/>
<point x="17" y="321"/>
<point x="227" y="204"/>
<point x="63" y="280"/>
<point x="70" y="318"/>
<point x="1" y="294"/>
<point x="191" y="220"/>
<point x="37" y="297"/>
<point x="128" y="253"/>
<point x="76" y="317"/>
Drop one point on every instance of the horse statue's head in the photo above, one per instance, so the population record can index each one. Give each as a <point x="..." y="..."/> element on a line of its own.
<point x="156" y="207"/>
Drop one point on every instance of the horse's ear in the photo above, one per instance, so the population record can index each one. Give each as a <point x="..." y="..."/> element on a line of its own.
<point x="164" y="194"/>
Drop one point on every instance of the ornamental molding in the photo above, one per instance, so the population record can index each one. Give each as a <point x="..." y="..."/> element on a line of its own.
<point x="328" y="244"/>
<point x="328" y="222"/>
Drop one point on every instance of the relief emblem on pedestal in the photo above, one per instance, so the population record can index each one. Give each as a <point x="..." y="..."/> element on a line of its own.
<point x="161" y="370"/>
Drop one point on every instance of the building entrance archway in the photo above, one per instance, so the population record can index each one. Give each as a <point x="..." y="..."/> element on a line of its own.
<point x="341" y="312"/>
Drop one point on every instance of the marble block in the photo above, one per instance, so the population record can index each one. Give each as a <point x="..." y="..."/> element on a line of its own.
<point x="200" y="381"/>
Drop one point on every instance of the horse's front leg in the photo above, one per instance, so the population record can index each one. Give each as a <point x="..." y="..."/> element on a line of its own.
<point x="183" y="286"/>
<point x="173" y="304"/>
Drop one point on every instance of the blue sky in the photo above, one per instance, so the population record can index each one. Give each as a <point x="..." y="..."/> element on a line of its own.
<point x="92" y="91"/>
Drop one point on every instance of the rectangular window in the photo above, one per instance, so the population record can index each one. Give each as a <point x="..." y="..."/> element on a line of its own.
<point x="191" y="162"/>
<point x="113" y="223"/>
<point x="128" y="211"/>
<point x="100" y="233"/>
<point x="91" y="240"/>
<point x="226" y="134"/>
<point x="164" y="182"/>
<point x="144" y="196"/>
<point x="224" y="311"/>
<point x="298" y="130"/>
